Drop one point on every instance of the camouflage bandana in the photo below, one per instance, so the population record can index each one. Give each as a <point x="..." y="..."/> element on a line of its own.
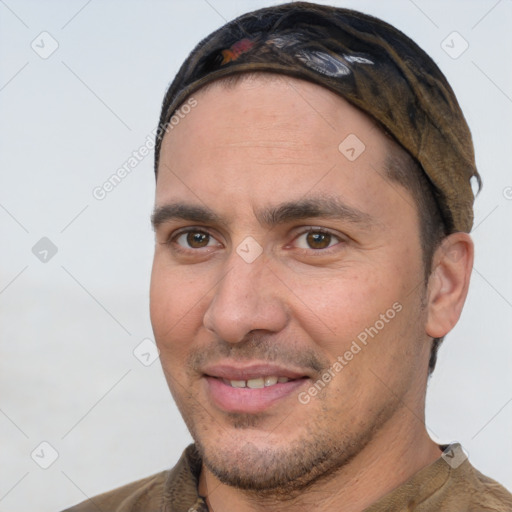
<point x="366" y="61"/>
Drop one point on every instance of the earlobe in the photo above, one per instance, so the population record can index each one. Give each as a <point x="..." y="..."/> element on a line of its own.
<point x="448" y="283"/>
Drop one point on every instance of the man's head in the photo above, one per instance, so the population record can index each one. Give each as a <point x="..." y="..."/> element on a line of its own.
<point x="296" y="239"/>
<point x="375" y="67"/>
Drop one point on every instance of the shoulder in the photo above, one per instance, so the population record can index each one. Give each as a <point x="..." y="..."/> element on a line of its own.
<point x="144" y="494"/>
<point x="463" y="488"/>
<point x="485" y="494"/>
<point x="450" y="483"/>
<point x="467" y="489"/>
<point x="173" y="489"/>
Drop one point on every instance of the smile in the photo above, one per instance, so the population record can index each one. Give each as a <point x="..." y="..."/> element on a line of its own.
<point x="257" y="383"/>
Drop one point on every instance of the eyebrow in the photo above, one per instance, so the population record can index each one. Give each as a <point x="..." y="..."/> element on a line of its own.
<point x="316" y="207"/>
<point x="183" y="211"/>
<point x="270" y="216"/>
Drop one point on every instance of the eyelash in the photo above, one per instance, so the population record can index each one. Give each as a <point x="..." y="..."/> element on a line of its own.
<point x="174" y="237"/>
<point x="319" y="231"/>
<point x="171" y="241"/>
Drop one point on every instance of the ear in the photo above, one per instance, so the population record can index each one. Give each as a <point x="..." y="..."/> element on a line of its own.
<point x="448" y="283"/>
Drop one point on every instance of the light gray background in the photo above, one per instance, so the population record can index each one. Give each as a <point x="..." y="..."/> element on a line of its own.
<point x="68" y="375"/>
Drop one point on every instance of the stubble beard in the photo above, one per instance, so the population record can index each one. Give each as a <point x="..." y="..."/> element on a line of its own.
<point x="239" y="455"/>
<point x="281" y="473"/>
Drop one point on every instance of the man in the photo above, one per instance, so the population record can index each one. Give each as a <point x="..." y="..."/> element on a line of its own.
<point x="313" y="204"/>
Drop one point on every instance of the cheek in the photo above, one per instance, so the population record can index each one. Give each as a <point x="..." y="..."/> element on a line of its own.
<point x="175" y="308"/>
<point x="336" y="308"/>
<point x="367" y="309"/>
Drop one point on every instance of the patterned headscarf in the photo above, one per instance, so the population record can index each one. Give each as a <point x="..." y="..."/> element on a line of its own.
<point x="366" y="61"/>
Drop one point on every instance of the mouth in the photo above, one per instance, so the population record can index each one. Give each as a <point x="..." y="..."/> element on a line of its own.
<point x="251" y="389"/>
<point x="257" y="382"/>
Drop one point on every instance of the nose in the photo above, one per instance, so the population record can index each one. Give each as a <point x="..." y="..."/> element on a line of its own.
<point x="248" y="298"/>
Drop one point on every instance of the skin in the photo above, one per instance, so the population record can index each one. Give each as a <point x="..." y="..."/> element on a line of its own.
<point x="256" y="145"/>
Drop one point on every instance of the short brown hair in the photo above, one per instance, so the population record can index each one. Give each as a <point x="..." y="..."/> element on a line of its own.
<point x="403" y="169"/>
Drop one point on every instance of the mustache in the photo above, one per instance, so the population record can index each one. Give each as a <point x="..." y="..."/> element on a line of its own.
<point x="261" y="347"/>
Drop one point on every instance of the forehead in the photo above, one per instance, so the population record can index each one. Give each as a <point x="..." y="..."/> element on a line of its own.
<point x="270" y="139"/>
<point x="310" y="109"/>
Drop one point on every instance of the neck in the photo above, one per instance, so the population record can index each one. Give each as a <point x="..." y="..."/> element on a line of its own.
<point x="388" y="460"/>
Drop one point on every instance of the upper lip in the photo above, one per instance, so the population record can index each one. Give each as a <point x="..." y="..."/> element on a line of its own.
<point x="254" y="370"/>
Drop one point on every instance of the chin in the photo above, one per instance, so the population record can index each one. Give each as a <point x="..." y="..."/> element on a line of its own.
<point x="259" y="466"/>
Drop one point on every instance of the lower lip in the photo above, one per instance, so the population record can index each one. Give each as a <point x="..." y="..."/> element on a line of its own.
<point x="247" y="400"/>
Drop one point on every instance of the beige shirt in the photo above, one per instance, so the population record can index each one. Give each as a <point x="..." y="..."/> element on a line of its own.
<point x="449" y="484"/>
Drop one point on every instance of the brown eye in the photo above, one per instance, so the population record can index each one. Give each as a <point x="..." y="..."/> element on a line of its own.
<point x="197" y="239"/>
<point x="194" y="239"/>
<point x="318" y="240"/>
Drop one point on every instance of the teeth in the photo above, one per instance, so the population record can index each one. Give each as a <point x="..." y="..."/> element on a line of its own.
<point x="270" y="381"/>
<point x="257" y="383"/>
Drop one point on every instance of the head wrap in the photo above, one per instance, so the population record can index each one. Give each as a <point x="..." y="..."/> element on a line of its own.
<point x="366" y="61"/>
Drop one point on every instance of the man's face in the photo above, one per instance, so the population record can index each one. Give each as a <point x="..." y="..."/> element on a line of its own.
<point x="279" y="254"/>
